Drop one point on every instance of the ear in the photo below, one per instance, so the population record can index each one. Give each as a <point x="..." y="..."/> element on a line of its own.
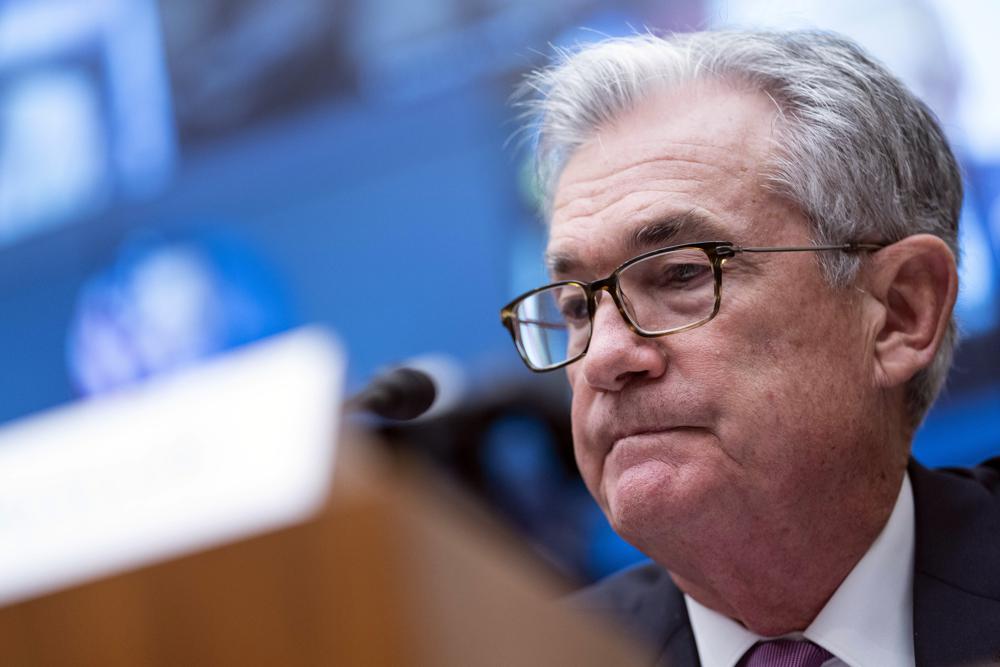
<point x="916" y="282"/>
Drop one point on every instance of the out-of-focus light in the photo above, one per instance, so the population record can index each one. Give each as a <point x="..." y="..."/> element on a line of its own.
<point x="52" y="159"/>
<point x="31" y="30"/>
<point x="978" y="302"/>
<point x="85" y="112"/>
<point x="145" y="142"/>
<point x="165" y="305"/>
<point x="972" y="27"/>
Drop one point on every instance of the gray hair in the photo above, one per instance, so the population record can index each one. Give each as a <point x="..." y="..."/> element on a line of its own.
<point x="857" y="152"/>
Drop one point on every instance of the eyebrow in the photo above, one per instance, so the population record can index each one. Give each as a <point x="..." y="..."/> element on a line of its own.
<point x="663" y="231"/>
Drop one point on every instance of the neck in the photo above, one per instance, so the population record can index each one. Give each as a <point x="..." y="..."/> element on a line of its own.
<point x="775" y="577"/>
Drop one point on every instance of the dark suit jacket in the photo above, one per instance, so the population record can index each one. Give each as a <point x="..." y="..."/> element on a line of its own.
<point x="956" y="582"/>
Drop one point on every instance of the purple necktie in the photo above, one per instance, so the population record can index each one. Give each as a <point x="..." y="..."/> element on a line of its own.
<point x="785" y="653"/>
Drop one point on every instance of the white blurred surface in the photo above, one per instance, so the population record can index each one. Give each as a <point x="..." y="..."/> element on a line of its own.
<point x="240" y="445"/>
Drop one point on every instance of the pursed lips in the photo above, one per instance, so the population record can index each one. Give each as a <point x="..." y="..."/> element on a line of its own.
<point x="652" y="432"/>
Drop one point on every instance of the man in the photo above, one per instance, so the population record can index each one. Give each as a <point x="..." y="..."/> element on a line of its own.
<point x="753" y="242"/>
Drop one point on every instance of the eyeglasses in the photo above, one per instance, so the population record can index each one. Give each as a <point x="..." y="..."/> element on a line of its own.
<point x="658" y="293"/>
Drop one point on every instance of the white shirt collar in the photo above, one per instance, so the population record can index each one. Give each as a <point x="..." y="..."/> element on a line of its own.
<point x="868" y="620"/>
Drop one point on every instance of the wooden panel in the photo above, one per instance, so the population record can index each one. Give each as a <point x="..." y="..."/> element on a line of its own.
<point x="391" y="572"/>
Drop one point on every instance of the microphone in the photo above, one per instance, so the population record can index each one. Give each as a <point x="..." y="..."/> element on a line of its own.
<point x="402" y="393"/>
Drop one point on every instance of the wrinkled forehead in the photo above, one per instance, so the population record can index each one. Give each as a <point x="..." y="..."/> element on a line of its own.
<point x="637" y="236"/>
<point x="683" y="119"/>
<point x="685" y="165"/>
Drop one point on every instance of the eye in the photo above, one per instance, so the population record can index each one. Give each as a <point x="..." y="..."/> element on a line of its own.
<point x="573" y="308"/>
<point x="684" y="275"/>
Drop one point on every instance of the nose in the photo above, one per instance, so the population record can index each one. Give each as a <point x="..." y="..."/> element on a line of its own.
<point x="617" y="355"/>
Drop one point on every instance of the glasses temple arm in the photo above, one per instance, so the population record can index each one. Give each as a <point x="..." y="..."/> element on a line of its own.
<point x="845" y="247"/>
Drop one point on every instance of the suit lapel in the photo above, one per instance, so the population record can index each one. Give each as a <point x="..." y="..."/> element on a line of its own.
<point x="644" y="601"/>
<point x="680" y="649"/>
<point x="658" y="615"/>
<point x="670" y="624"/>
<point x="956" y="582"/>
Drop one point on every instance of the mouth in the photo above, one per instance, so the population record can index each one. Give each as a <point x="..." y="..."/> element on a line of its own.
<point x="653" y="443"/>
<point x="657" y="447"/>
<point x="652" y="433"/>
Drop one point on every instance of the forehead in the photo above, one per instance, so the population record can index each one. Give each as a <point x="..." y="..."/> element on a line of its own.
<point x="684" y="163"/>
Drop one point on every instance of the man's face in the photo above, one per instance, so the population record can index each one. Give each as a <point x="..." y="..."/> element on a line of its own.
<point x="759" y="416"/>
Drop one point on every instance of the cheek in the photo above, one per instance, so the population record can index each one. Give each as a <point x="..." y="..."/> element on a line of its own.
<point x="587" y="459"/>
<point x="590" y="463"/>
<point x="790" y="379"/>
<point x="578" y="390"/>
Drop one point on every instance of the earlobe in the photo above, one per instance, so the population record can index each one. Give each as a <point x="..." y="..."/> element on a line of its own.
<point x="916" y="281"/>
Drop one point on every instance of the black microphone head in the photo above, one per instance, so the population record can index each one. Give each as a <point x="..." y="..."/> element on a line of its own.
<point x="403" y="393"/>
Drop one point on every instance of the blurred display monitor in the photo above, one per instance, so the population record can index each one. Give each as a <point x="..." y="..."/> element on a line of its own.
<point x="84" y="110"/>
<point x="235" y="63"/>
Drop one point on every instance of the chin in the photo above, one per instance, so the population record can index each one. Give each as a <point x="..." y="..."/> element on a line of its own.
<point x="643" y="500"/>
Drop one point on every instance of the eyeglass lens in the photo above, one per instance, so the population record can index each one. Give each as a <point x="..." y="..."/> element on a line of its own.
<point x="661" y="293"/>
